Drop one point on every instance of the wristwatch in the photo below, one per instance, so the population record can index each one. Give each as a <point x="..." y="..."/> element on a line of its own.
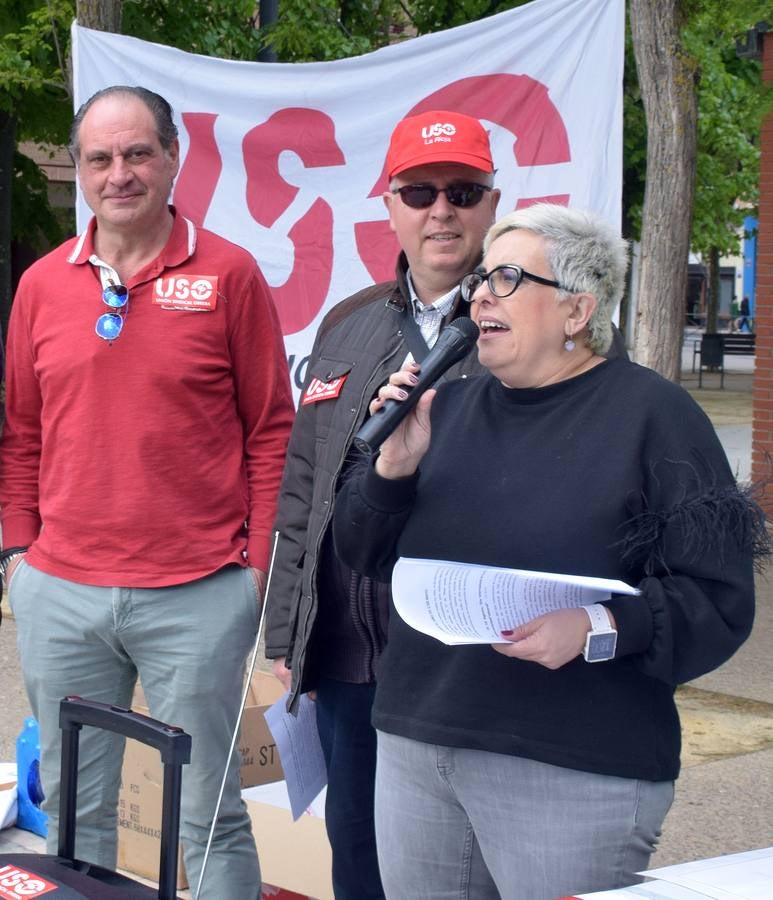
<point x="601" y="641"/>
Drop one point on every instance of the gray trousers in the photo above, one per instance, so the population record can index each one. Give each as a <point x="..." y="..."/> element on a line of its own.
<point x="456" y="824"/>
<point x="188" y="643"/>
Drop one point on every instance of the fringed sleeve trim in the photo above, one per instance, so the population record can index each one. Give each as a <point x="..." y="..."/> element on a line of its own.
<point x="715" y="522"/>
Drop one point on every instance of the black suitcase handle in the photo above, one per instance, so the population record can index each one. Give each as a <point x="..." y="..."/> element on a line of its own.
<point x="170" y="740"/>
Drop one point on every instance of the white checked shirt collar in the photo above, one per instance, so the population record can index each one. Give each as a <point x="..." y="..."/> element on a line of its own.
<point x="430" y="318"/>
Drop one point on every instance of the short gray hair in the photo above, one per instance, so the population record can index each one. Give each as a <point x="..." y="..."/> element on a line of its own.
<point x="584" y="252"/>
<point x="158" y="106"/>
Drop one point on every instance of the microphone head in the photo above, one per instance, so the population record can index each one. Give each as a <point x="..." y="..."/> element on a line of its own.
<point x="468" y="330"/>
<point x="456" y="340"/>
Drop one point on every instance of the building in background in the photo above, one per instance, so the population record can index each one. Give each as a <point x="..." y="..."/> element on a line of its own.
<point x="60" y="172"/>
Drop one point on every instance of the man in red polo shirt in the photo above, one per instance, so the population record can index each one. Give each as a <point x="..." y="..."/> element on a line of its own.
<point x="148" y="408"/>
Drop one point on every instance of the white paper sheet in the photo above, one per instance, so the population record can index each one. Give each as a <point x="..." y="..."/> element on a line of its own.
<point x="462" y="603"/>
<point x="275" y="794"/>
<point x="8" y="792"/>
<point x="738" y="876"/>
<point x="655" y="890"/>
<point x="300" y="751"/>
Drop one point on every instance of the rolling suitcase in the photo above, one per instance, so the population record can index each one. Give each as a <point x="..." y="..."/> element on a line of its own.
<point x="64" y="877"/>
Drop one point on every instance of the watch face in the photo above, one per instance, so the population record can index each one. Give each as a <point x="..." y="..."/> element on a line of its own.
<point x="601" y="646"/>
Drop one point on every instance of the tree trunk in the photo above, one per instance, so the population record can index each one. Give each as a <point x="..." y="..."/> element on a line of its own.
<point x="101" y="15"/>
<point x="712" y="309"/>
<point x="667" y="82"/>
<point x="7" y="145"/>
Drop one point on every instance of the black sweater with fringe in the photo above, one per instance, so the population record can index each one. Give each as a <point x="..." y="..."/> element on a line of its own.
<point x="616" y="473"/>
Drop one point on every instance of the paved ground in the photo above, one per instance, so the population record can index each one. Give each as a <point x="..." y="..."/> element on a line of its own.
<point x="723" y="799"/>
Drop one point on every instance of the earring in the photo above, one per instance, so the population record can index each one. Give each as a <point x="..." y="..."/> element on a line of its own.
<point x="569" y="344"/>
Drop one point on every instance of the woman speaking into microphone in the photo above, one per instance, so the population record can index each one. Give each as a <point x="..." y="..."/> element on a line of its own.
<point x="544" y="764"/>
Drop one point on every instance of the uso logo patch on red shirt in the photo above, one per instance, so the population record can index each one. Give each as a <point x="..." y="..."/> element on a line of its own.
<point x="322" y="390"/>
<point x="196" y="292"/>
<point x="16" y="883"/>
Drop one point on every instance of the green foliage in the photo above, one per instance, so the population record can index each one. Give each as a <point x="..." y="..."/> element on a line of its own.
<point x="634" y="145"/>
<point x="34" y="219"/>
<point x="326" y="29"/>
<point x="732" y="103"/>
<point x="223" y="28"/>
<point x="31" y="33"/>
<point x="31" y="76"/>
<point x="34" y="92"/>
<point x="434" y="15"/>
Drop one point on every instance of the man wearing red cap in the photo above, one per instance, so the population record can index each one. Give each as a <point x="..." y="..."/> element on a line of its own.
<point x="326" y="623"/>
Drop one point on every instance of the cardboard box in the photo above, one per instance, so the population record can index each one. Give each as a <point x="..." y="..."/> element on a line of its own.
<point x="260" y="758"/>
<point x="139" y="813"/>
<point x="139" y="801"/>
<point x="295" y="856"/>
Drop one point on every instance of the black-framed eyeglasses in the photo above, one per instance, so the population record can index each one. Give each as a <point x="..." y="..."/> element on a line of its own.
<point x="503" y="281"/>
<point x="109" y="324"/>
<point x="462" y="194"/>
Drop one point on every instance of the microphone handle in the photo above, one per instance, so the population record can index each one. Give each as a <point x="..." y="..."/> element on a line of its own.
<point x="380" y="425"/>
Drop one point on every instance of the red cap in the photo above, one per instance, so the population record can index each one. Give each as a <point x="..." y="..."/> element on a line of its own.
<point x="438" y="136"/>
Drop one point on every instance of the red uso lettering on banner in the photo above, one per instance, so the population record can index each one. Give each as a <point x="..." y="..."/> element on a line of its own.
<point x="516" y="102"/>
<point x="16" y="883"/>
<point x="310" y="134"/>
<point x="196" y="183"/>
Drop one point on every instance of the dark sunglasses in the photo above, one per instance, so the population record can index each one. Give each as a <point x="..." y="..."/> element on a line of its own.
<point x="109" y="324"/>
<point x="462" y="194"/>
<point x="503" y="281"/>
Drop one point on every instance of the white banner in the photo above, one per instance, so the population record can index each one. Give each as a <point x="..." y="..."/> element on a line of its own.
<point x="287" y="159"/>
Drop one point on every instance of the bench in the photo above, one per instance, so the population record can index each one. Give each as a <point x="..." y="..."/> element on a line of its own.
<point x="739" y="343"/>
<point x="711" y="350"/>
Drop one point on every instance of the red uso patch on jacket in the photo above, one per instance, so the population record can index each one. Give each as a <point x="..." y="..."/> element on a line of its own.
<point x="322" y="390"/>
<point x="197" y="292"/>
<point x="16" y="883"/>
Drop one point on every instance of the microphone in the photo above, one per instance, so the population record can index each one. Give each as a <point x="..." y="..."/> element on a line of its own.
<point x="455" y="342"/>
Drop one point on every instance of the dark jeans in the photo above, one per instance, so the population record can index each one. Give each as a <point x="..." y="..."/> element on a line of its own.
<point x="349" y="744"/>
